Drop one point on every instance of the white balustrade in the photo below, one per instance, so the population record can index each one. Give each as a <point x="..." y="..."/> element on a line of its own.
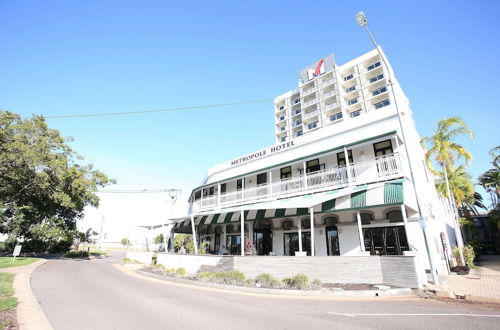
<point x="361" y="172"/>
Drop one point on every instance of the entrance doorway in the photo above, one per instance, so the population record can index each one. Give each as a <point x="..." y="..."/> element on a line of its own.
<point x="332" y="240"/>
<point x="263" y="239"/>
<point x="386" y="240"/>
<point x="291" y="243"/>
<point x="233" y="244"/>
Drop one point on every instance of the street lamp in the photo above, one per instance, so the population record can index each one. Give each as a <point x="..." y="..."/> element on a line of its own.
<point x="362" y="21"/>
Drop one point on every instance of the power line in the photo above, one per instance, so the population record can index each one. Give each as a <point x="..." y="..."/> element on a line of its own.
<point x="157" y="110"/>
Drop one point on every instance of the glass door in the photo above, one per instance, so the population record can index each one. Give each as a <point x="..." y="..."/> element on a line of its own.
<point x="332" y="241"/>
<point x="291" y="243"/>
<point x="233" y="244"/>
<point x="263" y="241"/>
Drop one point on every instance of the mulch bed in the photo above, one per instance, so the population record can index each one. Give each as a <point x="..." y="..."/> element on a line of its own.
<point x="8" y="320"/>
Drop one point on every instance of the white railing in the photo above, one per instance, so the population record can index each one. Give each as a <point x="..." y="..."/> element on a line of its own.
<point x="327" y="82"/>
<point x="310" y="114"/>
<point x="309" y="91"/>
<point x="330" y="93"/>
<point x="332" y="106"/>
<point x="310" y="102"/>
<point x="371" y="170"/>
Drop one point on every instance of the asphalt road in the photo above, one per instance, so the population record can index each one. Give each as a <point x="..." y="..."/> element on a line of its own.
<point x="92" y="294"/>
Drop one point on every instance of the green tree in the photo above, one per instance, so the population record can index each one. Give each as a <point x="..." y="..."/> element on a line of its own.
<point x="159" y="239"/>
<point x="125" y="241"/>
<point x="445" y="151"/>
<point x="183" y="241"/>
<point x="43" y="186"/>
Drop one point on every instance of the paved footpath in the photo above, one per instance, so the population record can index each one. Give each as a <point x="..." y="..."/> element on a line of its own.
<point x="29" y="314"/>
<point x="482" y="282"/>
<point x="94" y="294"/>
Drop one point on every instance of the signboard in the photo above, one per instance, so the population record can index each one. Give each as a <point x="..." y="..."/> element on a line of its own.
<point x="17" y="251"/>
<point x="421" y="221"/>
<point x="316" y="69"/>
<point x="264" y="152"/>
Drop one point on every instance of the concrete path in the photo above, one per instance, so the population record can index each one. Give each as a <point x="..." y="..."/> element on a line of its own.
<point x="29" y="314"/>
<point x="94" y="294"/>
<point x="482" y="283"/>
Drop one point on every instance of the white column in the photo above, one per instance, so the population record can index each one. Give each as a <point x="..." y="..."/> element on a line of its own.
<point x="242" y="220"/>
<point x="242" y="189"/>
<point x="360" y="231"/>
<point x="311" y="212"/>
<point x="300" y="236"/>
<point x="348" y="166"/>
<point x="405" y="220"/>
<point x="218" y="194"/>
<point x="305" y="175"/>
<point x="194" y="235"/>
<point x="270" y="184"/>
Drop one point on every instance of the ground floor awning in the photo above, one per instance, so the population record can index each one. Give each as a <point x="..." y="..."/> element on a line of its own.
<point x="350" y="198"/>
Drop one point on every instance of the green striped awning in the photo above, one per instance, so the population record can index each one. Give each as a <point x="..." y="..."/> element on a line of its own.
<point x="358" y="197"/>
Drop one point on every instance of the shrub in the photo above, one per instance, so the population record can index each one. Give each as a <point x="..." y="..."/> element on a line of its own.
<point x="206" y="276"/>
<point x="159" y="267"/>
<point x="180" y="272"/>
<point x="316" y="284"/>
<point x="233" y="277"/>
<point x="469" y="256"/>
<point x="76" y="254"/>
<point x="299" y="281"/>
<point x="130" y="261"/>
<point x="268" y="281"/>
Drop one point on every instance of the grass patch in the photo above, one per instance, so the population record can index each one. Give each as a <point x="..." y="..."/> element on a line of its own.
<point x="299" y="281"/>
<point x="20" y="261"/>
<point x="130" y="261"/>
<point x="266" y="280"/>
<point x="7" y="301"/>
<point x="76" y="254"/>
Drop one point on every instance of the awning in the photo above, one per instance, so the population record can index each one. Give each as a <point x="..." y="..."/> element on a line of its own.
<point x="350" y="198"/>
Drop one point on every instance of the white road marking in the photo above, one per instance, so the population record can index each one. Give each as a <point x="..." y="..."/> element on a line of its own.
<point x="414" y="314"/>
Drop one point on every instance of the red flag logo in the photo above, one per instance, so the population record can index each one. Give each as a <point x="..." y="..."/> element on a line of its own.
<point x="318" y="67"/>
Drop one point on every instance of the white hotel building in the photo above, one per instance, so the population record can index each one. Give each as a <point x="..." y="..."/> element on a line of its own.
<point x="333" y="198"/>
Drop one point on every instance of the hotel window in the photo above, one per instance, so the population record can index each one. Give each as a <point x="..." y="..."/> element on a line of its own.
<point x="336" y="116"/>
<point x="261" y="178"/>
<point x="374" y="79"/>
<point x="382" y="104"/>
<point x="312" y="165"/>
<point x="379" y="91"/>
<point x="286" y="172"/>
<point x="355" y="113"/>
<point x="297" y="111"/>
<point x="283" y="139"/>
<point x="373" y="66"/>
<point x="282" y="107"/>
<point x="282" y="128"/>
<point x="298" y="122"/>
<point x="223" y="188"/>
<point x="296" y="101"/>
<point x="366" y="218"/>
<point x="350" y="89"/>
<point x="299" y="133"/>
<point x="341" y="158"/>
<point x="312" y="125"/>
<point x="394" y="216"/>
<point x="382" y="148"/>
<point x="211" y="191"/>
<point x="197" y="195"/>
<point x="306" y="224"/>
<point x="352" y="101"/>
<point x="349" y="77"/>
<point x="239" y="184"/>
<point x="287" y="224"/>
<point x="282" y="118"/>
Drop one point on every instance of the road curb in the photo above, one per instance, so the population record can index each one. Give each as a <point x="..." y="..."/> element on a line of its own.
<point x="30" y="315"/>
<point x="284" y="292"/>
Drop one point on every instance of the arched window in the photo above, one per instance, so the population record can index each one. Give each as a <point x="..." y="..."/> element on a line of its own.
<point x="287" y="224"/>
<point x="331" y="221"/>
<point x="229" y="229"/>
<point x="366" y="218"/>
<point x="306" y="223"/>
<point x="394" y="216"/>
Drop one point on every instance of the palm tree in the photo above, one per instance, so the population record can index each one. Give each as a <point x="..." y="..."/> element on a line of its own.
<point x="490" y="180"/>
<point x="495" y="154"/>
<point x="446" y="152"/>
<point x="460" y="183"/>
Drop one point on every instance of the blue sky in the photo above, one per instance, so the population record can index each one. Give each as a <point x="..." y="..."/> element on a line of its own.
<point x="73" y="57"/>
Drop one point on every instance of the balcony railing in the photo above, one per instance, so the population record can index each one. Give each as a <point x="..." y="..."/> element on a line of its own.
<point x="310" y="114"/>
<point x="310" y="102"/>
<point x="308" y="91"/>
<point x="331" y="106"/>
<point x="372" y="170"/>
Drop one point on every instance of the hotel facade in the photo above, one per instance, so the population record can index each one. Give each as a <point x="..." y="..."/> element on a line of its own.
<point x="334" y="197"/>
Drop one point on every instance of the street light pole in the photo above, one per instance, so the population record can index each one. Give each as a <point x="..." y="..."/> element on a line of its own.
<point x="362" y="20"/>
